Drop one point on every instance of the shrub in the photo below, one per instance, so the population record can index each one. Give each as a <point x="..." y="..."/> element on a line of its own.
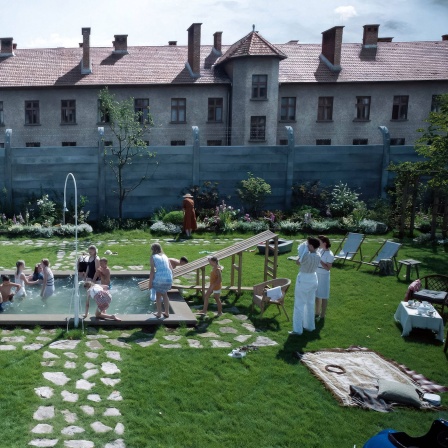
<point x="249" y="226"/>
<point x="311" y="194"/>
<point x="343" y="200"/>
<point x="165" y="228"/>
<point x="174" y="217"/>
<point x="380" y="210"/>
<point x="38" y="231"/>
<point x="298" y="214"/>
<point x="290" y="227"/>
<point x="205" y="196"/>
<point x="372" y="227"/>
<point x="107" y="224"/>
<point x="253" y="192"/>
<point x="325" y="226"/>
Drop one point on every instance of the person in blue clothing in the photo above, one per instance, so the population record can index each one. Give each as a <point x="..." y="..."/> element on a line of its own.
<point x="160" y="279"/>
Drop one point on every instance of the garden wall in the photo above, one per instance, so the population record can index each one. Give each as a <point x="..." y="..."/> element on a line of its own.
<point x="43" y="170"/>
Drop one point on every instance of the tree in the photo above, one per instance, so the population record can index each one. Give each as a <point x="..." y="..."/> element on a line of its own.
<point x="253" y="192"/>
<point x="128" y="128"/>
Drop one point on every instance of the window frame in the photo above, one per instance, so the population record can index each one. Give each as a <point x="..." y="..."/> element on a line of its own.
<point x="103" y="117"/>
<point x="360" y="141"/>
<point x="257" y="130"/>
<point x="143" y="108"/>
<point x="32" y="113"/>
<point x="2" y="117"/>
<point x="259" y="90"/>
<point x="363" y="109"/>
<point x="32" y="144"/>
<point x="398" y="106"/>
<point x="65" y="109"/>
<point x="177" y="142"/>
<point x="323" y="141"/>
<point x="215" y="106"/>
<point x="288" y="107"/>
<point x="324" y="108"/>
<point x="66" y="144"/>
<point x="435" y="103"/>
<point x="177" y="108"/>
<point x="397" y="141"/>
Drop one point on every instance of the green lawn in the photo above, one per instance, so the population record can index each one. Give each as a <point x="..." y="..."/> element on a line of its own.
<point x="201" y="397"/>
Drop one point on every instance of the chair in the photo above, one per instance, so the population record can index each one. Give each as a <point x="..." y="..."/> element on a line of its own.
<point x="388" y="251"/>
<point x="435" y="290"/>
<point x="261" y="299"/>
<point x="349" y="247"/>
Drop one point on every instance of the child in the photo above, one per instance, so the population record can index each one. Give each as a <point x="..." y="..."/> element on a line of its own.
<point x="215" y="285"/>
<point x="102" y="297"/>
<point x="174" y="262"/>
<point x="6" y="287"/>
<point x="22" y="279"/>
<point x="48" y="281"/>
<point x="37" y="274"/>
<point x="93" y="262"/>
<point x="103" y="273"/>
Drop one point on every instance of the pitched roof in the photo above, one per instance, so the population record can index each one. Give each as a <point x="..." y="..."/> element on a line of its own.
<point x="253" y="44"/>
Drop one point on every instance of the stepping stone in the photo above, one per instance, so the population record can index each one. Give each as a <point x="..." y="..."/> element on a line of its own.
<point x="44" y="413"/>
<point x="13" y="339"/>
<point x="49" y="355"/>
<point x="47" y="363"/>
<point x="208" y="334"/>
<point x="33" y="347"/>
<point x="170" y="345"/>
<point x="78" y="444"/>
<point x="72" y="430"/>
<point x="89" y="365"/>
<point x="119" y="443"/>
<point x="228" y="330"/>
<point x="44" y="392"/>
<point x="220" y="344"/>
<point x="240" y="317"/>
<point x="68" y="396"/>
<point x="69" y="417"/>
<point x="87" y="374"/>
<point x="44" y="442"/>
<point x="263" y="341"/>
<point x="124" y="335"/>
<point x="242" y="337"/>
<point x="91" y="355"/>
<point x="94" y="345"/>
<point x="50" y="331"/>
<point x="146" y="342"/>
<point x="109" y="368"/>
<point x="113" y="355"/>
<point x="249" y="327"/>
<point x="117" y="343"/>
<point x="64" y="345"/>
<point x="7" y="347"/>
<point x="94" y="397"/>
<point x="115" y="396"/>
<point x="7" y="331"/>
<point x="71" y="355"/>
<point x="84" y="385"/>
<point x="43" y="338"/>
<point x="193" y="343"/>
<point x="173" y="338"/>
<point x="70" y="365"/>
<point x="111" y="412"/>
<point x="88" y="409"/>
<point x="224" y="321"/>
<point x="97" y="336"/>
<point x="100" y="427"/>
<point x="110" y="381"/>
<point x="42" y="428"/>
<point x="233" y="310"/>
<point x="119" y="429"/>
<point x="58" y="378"/>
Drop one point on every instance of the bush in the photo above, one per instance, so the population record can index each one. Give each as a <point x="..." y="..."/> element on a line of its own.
<point x="247" y="227"/>
<point x="343" y="200"/>
<point x="325" y="226"/>
<point x="310" y="194"/>
<point x="290" y="227"/>
<point x="174" y="217"/>
<point x="205" y="196"/>
<point x="168" y="228"/>
<point x="253" y="193"/>
<point x="371" y="227"/>
<point x="38" y="231"/>
<point x="107" y="224"/>
<point x="298" y="214"/>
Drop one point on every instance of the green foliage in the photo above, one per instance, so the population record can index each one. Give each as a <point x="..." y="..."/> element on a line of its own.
<point x="158" y="214"/>
<point x="298" y="214"/>
<point x="163" y="228"/>
<point x="38" y="231"/>
<point x="380" y="210"/>
<point x="290" y="227"/>
<point x="253" y="192"/>
<point x="47" y="210"/>
<point x="311" y="194"/>
<point x="343" y="200"/>
<point x="174" y="217"/>
<point x="206" y="196"/>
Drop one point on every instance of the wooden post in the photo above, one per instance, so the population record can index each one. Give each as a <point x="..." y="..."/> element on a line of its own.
<point x="232" y="271"/>
<point x="240" y="271"/>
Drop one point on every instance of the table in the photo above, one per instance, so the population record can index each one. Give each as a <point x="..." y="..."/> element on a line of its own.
<point x="409" y="319"/>
<point x="409" y="264"/>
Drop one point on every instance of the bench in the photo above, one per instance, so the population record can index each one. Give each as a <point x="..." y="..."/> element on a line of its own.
<point x="435" y="290"/>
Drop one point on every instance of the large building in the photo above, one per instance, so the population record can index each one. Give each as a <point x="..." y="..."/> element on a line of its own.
<point x="332" y="93"/>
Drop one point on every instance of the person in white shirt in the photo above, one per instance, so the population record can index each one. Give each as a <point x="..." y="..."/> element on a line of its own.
<point x="323" y="276"/>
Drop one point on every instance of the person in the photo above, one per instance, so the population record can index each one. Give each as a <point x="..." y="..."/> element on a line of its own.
<point x="215" y="286"/>
<point x="306" y="286"/>
<point x="6" y="289"/>
<point x="82" y="266"/>
<point x="323" y="276"/>
<point x="48" y="281"/>
<point x="103" y="273"/>
<point x="37" y="274"/>
<point x="189" y="224"/>
<point x="22" y="279"/>
<point x="174" y="262"/>
<point x="102" y="297"/>
<point x="160" y="279"/>
<point x="93" y="263"/>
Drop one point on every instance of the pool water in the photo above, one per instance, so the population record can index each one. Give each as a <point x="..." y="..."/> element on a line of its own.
<point x="126" y="299"/>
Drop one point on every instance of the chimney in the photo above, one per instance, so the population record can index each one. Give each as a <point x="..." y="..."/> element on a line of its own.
<point x="370" y="36"/>
<point x="194" y="49"/>
<point x="6" y="47"/>
<point x="172" y="43"/>
<point x="86" y="66"/>
<point x="120" y="44"/>
<point x="332" y="47"/>
<point x="445" y="37"/>
<point x="217" y="41"/>
<point x="385" y="39"/>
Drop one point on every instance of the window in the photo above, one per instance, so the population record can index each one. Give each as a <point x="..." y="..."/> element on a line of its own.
<point x="283" y="142"/>
<point x="397" y="141"/>
<point x="325" y="108"/>
<point x="178" y="110"/>
<point x="323" y="141"/>
<point x="108" y="143"/>
<point x="214" y="142"/>
<point x="141" y="107"/>
<point x="363" y="107"/>
<point x="2" y="145"/>
<point x="103" y="115"/>
<point x="435" y="104"/>
<point x="68" y="112"/>
<point x="68" y="143"/>
<point x="257" y="128"/>
<point x="32" y="112"/>
<point x="1" y="114"/>
<point x="32" y="144"/>
<point x="215" y="109"/>
<point x="360" y="141"/>
<point x="260" y="87"/>
<point x="177" y="142"/>
<point x="288" y="108"/>
<point x="400" y="107"/>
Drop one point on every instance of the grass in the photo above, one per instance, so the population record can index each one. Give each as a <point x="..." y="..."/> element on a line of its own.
<point x="203" y="398"/>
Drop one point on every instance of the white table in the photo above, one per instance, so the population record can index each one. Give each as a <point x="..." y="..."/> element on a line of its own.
<point x="409" y="319"/>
